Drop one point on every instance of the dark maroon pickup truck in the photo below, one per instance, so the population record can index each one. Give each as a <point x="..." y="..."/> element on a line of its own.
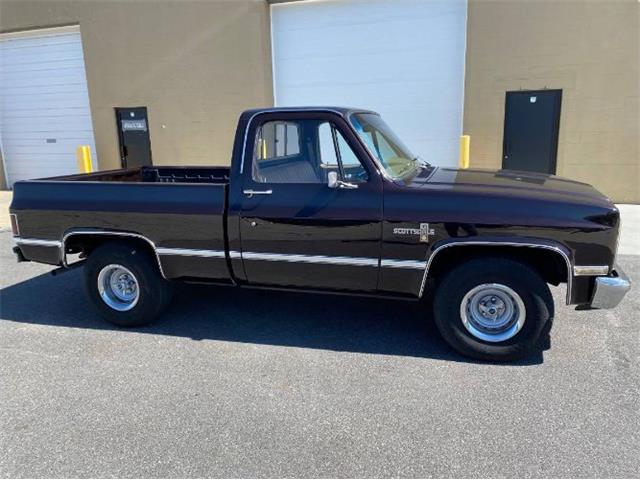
<point x="330" y="200"/>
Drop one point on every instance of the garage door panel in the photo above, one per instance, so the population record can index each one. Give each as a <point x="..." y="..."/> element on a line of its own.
<point x="364" y="69"/>
<point x="42" y="78"/>
<point x="55" y="101"/>
<point x="68" y="126"/>
<point x="413" y="88"/>
<point x="43" y="50"/>
<point x="45" y="170"/>
<point x="355" y="94"/>
<point x="446" y="121"/>
<point x="70" y="87"/>
<point x="54" y="68"/>
<point x="37" y="138"/>
<point x="25" y="117"/>
<point x="26" y="162"/>
<point x="24" y="42"/>
<point x="13" y="58"/>
<point x="52" y="114"/>
<point x="47" y="100"/>
<point x="50" y="127"/>
<point x="39" y="69"/>
<point x="403" y="58"/>
<point x="329" y="41"/>
<point x="44" y="104"/>
<point x="55" y="146"/>
<point x="350" y="12"/>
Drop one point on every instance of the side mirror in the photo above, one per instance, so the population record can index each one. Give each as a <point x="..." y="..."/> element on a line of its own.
<point x="333" y="182"/>
<point x="332" y="179"/>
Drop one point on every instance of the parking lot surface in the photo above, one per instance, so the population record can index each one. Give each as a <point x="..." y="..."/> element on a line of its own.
<point x="257" y="383"/>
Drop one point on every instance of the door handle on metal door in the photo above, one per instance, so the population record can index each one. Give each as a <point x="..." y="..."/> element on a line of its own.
<point x="251" y="193"/>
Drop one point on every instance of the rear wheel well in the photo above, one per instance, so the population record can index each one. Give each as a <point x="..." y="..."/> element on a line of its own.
<point x="83" y="244"/>
<point x="550" y="265"/>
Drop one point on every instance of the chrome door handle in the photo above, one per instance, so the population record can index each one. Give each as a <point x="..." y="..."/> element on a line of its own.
<point x="251" y="193"/>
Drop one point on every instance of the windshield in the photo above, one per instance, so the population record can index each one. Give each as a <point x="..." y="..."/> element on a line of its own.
<point x="394" y="156"/>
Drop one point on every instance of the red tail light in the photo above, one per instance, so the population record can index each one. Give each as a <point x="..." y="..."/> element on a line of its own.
<point x="14" y="225"/>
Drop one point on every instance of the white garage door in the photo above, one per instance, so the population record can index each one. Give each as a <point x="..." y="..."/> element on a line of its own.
<point x="402" y="58"/>
<point x="44" y="103"/>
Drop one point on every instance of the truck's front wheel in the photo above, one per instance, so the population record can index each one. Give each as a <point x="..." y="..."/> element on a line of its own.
<point x="493" y="309"/>
<point x="124" y="284"/>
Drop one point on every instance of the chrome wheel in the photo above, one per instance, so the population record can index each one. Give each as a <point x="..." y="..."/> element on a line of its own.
<point x="118" y="287"/>
<point x="492" y="312"/>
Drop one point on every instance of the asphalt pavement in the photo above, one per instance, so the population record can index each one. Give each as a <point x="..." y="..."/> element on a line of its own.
<point x="268" y="384"/>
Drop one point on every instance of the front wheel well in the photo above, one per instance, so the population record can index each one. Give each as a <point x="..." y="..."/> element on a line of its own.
<point x="548" y="263"/>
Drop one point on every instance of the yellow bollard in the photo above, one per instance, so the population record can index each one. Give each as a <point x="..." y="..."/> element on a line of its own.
<point x="465" y="145"/>
<point x="264" y="149"/>
<point x="83" y="154"/>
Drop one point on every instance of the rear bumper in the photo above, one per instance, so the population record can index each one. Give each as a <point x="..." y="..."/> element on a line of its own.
<point x="609" y="291"/>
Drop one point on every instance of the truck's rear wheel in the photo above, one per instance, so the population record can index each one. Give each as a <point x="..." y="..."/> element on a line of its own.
<point x="124" y="284"/>
<point x="493" y="309"/>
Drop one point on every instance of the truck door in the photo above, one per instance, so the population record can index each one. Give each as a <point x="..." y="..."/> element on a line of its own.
<point x="311" y="207"/>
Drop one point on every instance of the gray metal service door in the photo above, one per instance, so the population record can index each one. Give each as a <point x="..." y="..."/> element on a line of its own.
<point x="133" y="134"/>
<point x="531" y="125"/>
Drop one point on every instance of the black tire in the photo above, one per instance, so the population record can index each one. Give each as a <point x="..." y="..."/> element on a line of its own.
<point x="513" y="274"/>
<point x="154" y="292"/>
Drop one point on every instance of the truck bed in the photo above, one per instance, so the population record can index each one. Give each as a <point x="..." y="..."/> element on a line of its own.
<point x="177" y="209"/>
<point x="189" y="174"/>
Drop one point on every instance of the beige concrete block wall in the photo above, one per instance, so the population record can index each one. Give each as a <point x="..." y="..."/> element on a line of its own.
<point x="590" y="50"/>
<point x="195" y="64"/>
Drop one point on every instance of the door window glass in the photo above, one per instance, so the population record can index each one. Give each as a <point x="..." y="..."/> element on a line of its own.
<point x="353" y="169"/>
<point x="336" y="152"/>
<point x="327" y="147"/>
<point x="303" y="151"/>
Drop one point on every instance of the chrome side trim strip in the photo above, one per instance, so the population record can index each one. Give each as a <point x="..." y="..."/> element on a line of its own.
<point x="590" y="270"/>
<point x="202" y="253"/>
<point x="411" y="264"/>
<point x="63" y="254"/>
<point x="294" y="258"/>
<point x="188" y="252"/>
<point x="320" y="259"/>
<point x="250" y="193"/>
<point x="499" y="244"/>
<point x="38" y="242"/>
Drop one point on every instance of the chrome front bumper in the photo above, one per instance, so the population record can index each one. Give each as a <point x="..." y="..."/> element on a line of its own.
<point x="609" y="291"/>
